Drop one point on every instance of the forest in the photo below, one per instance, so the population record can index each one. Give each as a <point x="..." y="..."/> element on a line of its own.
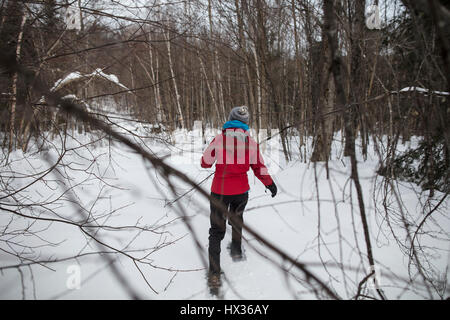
<point x="106" y="107"/>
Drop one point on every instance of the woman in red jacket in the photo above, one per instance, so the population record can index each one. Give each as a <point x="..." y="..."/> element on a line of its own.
<point x="234" y="153"/>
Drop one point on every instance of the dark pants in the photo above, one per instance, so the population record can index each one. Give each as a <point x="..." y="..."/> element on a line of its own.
<point x="235" y="205"/>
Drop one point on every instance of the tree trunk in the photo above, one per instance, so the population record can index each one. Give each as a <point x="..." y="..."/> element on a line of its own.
<point x="14" y="83"/>
<point x="324" y="122"/>
<point x="337" y="68"/>
<point x="216" y="72"/>
<point x="175" y="86"/>
<point x="208" y="84"/>
<point x="155" y="74"/>
<point x="298" y="97"/>
<point x="243" y="47"/>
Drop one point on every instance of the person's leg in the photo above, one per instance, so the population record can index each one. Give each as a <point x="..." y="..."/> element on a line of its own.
<point x="237" y="206"/>
<point x="216" y="235"/>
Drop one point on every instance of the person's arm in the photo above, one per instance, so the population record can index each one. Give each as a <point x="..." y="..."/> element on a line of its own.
<point x="259" y="168"/>
<point x="209" y="155"/>
<point x="261" y="171"/>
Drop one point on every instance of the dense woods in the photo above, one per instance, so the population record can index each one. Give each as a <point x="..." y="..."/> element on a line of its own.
<point x="314" y="70"/>
<point x="193" y="61"/>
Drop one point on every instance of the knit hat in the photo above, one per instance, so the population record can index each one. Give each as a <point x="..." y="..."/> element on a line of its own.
<point x="239" y="113"/>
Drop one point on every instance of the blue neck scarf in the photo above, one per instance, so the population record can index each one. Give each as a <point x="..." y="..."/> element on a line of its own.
<point x="235" y="124"/>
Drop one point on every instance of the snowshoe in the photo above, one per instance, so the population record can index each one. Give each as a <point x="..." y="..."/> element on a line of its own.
<point x="236" y="252"/>
<point x="214" y="283"/>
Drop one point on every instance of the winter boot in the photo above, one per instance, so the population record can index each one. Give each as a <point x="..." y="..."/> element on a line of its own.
<point x="214" y="283"/>
<point x="236" y="251"/>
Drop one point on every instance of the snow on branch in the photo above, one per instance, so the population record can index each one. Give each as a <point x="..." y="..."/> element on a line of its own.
<point x="76" y="76"/>
<point x="422" y="90"/>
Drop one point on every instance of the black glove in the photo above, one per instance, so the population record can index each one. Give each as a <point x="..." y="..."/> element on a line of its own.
<point x="273" y="189"/>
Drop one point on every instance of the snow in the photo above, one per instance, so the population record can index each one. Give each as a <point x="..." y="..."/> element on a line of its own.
<point x="423" y="90"/>
<point x="70" y="97"/>
<point x="110" y="77"/>
<point x="73" y="76"/>
<point x="72" y="18"/>
<point x="322" y="235"/>
<point x="67" y="79"/>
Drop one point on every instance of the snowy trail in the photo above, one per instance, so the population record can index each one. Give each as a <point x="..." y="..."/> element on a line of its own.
<point x="323" y="234"/>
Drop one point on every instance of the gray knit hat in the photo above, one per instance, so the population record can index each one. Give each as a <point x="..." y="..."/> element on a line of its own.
<point x="239" y="113"/>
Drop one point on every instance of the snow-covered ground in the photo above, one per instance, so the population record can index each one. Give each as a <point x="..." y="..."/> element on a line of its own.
<point x="121" y="189"/>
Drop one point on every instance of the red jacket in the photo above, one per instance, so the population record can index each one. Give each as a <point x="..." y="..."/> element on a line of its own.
<point x="234" y="152"/>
